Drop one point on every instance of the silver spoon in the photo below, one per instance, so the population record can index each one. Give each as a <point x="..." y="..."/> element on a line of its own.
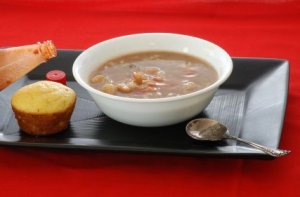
<point x="212" y="130"/>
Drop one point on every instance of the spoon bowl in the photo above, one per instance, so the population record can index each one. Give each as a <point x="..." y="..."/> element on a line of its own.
<point x="204" y="129"/>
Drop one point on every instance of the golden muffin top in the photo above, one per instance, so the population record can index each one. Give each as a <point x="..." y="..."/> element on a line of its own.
<point x="43" y="97"/>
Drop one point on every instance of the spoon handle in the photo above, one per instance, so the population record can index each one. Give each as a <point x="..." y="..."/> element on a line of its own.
<point x="271" y="151"/>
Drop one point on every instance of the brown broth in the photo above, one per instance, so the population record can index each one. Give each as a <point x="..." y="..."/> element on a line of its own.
<point x="153" y="74"/>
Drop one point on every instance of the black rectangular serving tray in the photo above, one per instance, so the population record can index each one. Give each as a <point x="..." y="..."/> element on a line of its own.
<point x="251" y="103"/>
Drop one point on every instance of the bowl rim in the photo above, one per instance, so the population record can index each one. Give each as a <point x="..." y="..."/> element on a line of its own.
<point x="211" y="87"/>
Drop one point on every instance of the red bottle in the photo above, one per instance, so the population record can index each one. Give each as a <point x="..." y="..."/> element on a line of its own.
<point x="15" y="62"/>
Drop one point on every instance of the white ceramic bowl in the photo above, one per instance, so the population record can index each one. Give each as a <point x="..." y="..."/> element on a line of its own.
<point x="158" y="111"/>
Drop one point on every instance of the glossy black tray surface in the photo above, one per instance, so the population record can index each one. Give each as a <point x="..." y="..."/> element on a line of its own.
<point x="251" y="103"/>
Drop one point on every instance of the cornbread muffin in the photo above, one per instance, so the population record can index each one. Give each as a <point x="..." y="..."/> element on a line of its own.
<point x="44" y="107"/>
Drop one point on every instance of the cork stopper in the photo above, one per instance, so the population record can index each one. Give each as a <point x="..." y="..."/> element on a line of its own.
<point x="48" y="49"/>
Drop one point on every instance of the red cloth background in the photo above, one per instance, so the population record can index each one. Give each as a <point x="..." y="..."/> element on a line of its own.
<point x="244" y="28"/>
